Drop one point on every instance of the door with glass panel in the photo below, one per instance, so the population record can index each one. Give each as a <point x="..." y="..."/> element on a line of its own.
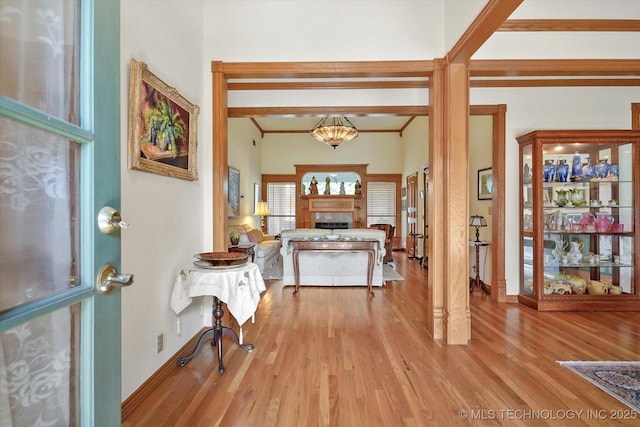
<point x="59" y="164"/>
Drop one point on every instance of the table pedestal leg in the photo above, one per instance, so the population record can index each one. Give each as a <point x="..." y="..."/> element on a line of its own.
<point x="216" y="333"/>
<point x="477" y="281"/>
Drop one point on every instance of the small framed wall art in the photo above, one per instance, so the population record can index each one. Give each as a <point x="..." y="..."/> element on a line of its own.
<point x="485" y="184"/>
<point x="234" y="193"/>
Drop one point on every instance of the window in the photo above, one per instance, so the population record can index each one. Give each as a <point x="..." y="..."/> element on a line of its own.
<point x="281" y="199"/>
<point x="339" y="182"/>
<point x="381" y="203"/>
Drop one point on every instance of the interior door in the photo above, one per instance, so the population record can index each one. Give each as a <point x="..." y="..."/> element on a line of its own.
<point x="59" y="164"/>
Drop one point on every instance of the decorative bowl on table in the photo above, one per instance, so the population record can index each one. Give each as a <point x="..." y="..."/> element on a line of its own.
<point x="222" y="259"/>
<point x="332" y="236"/>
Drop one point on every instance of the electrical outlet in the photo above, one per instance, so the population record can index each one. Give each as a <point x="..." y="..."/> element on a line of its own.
<point x="159" y="343"/>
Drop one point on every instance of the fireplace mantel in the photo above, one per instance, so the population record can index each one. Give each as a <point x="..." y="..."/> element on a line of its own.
<point x="331" y="208"/>
<point x="341" y="203"/>
<point x="313" y="204"/>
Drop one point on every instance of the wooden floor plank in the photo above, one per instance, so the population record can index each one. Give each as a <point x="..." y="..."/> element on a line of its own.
<point x="337" y="357"/>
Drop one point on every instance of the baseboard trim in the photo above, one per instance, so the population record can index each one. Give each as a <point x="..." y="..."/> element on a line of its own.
<point x="512" y="299"/>
<point x="132" y="402"/>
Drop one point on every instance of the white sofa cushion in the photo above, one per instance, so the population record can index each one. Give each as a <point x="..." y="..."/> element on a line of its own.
<point x="267" y="248"/>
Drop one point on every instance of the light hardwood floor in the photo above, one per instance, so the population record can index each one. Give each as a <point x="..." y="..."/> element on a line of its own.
<point x="337" y="357"/>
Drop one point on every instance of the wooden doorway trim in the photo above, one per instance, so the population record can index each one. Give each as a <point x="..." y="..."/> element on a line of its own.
<point x="498" y="113"/>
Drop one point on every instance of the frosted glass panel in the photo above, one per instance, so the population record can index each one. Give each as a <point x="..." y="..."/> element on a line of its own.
<point x="38" y="214"/>
<point x="39" y="55"/>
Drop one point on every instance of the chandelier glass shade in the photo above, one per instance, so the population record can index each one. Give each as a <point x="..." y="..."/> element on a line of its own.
<point x="333" y="131"/>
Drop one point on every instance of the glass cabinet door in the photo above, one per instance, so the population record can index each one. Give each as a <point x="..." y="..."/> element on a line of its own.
<point x="578" y="214"/>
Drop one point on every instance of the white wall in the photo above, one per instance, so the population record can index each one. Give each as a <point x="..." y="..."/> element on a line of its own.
<point x="245" y="148"/>
<point x="565" y="45"/>
<point x="458" y="15"/>
<point x="311" y="30"/>
<point x="165" y="214"/>
<point x="415" y="141"/>
<point x="283" y="151"/>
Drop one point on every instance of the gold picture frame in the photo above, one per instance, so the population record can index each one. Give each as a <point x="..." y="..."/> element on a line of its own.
<point x="163" y="127"/>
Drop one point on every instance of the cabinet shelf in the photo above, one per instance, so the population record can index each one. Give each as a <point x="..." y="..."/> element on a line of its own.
<point x="579" y="234"/>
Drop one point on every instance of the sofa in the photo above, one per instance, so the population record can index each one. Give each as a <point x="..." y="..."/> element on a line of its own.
<point x="267" y="249"/>
<point x="332" y="268"/>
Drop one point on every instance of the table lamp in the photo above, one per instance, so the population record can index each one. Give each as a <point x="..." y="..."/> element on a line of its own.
<point x="262" y="210"/>
<point x="477" y="221"/>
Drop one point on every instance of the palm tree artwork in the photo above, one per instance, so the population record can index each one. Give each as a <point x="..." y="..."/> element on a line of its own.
<point x="165" y="131"/>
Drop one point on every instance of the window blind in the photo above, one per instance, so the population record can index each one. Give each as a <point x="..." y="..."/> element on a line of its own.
<point x="281" y="200"/>
<point x="381" y="203"/>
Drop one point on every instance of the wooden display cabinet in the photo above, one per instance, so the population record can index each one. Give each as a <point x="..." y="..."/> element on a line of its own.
<point x="578" y="232"/>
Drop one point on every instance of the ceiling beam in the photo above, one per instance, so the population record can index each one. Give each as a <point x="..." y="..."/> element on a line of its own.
<point x="569" y="82"/>
<point x="379" y="84"/>
<point x="300" y="70"/>
<point x="394" y="110"/>
<point x="491" y="17"/>
<point x="285" y="131"/>
<point x="612" y="25"/>
<point x="554" y="67"/>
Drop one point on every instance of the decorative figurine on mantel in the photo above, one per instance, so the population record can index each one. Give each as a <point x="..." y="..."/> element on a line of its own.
<point x="327" y="186"/>
<point x="358" y="187"/>
<point x="342" y="190"/>
<point x="313" y="186"/>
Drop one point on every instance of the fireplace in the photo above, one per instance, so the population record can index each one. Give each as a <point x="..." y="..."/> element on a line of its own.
<point x="331" y="225"/>
<point x="331" y="220"/>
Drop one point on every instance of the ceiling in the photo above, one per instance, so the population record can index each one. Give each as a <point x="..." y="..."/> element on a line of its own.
<point x="533" y="72"/>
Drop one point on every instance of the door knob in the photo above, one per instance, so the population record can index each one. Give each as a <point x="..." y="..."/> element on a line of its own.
<point x="108" y="278"/>
<point x="109" y="220"/>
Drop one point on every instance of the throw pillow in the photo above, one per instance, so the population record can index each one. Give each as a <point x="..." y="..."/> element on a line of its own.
<point x="255" y="236"/>
<point x="244" y="238"/>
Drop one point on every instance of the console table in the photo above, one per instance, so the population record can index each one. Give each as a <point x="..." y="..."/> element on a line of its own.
<point x="238" y="287"/>
<point x="325" y="245"/>
<point x="245" y="248"/>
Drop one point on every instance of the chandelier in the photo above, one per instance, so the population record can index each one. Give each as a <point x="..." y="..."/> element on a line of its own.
<point x="334" y="131"/>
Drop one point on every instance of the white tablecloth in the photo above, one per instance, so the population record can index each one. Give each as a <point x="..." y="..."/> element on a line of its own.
<point x="239" y="288"/>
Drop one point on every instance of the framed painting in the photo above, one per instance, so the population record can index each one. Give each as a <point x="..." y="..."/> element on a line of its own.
<point x="234" y="193"/>
<point x="162" y="127"/>
<point x="485" y="184"/>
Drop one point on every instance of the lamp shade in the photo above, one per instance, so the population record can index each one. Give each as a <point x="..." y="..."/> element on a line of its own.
<point x="262" y="209"/>
<point x="477" y="221"/>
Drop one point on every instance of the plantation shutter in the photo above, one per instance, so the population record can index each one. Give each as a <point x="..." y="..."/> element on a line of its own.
<point x="281" y="200"/>
<point x="381" y="203"/>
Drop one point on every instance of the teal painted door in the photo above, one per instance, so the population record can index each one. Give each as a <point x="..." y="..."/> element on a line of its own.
<point x="59" y="165"/>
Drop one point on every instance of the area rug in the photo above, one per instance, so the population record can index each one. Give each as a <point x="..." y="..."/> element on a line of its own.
<point x="389" y="273"/>
<point x="619" y="379"/>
